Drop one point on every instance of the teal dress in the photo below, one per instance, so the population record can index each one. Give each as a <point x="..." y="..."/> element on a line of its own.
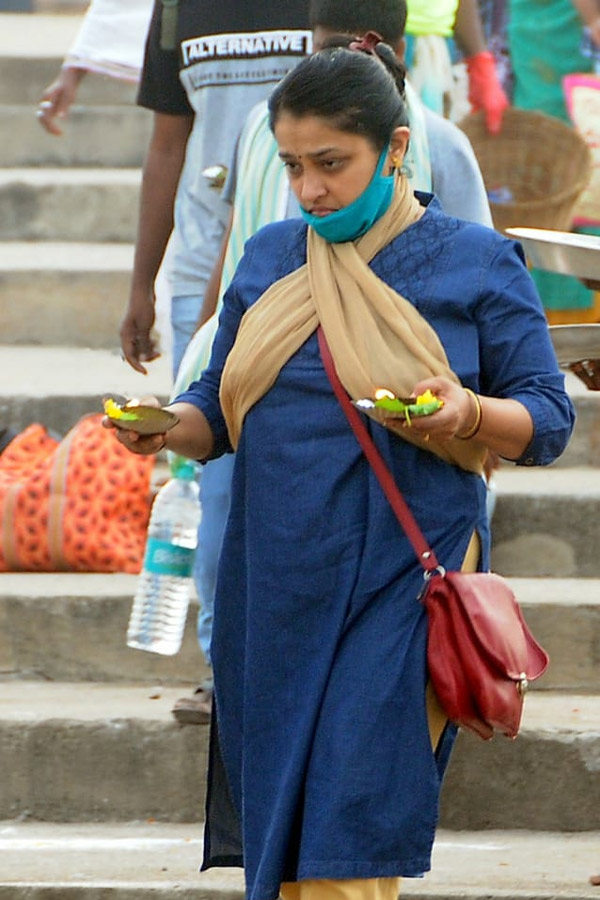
<point x="321" y="761"/>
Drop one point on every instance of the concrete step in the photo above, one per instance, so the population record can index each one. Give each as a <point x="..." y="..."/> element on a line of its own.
<point x="71" y="627"/>
<point x="37" y="36"/>
<point x="32" y="48"/>
<point x="546" y="522"/>
<point x="564" y="615"/>
<point x="82" y="752"/>
<point x="59" y="6"/>
<point x="508" y="784"/>
<point x="43" y="6"/>
<point x="71" y="294"/>
<point x="16" y="5"/>
<point x="584" y="446"/>
<point x="24" y="78"/>
<point x="69" y="204"/>
<point x="112" y="136"/>
<point x="135" y="861"/>
<point x="56" y="386"/>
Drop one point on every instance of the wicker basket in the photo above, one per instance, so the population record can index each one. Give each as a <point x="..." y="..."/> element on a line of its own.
<point x="544" y="164"/>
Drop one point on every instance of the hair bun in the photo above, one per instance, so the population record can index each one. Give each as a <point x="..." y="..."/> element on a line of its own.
<point x="396" y="69"/>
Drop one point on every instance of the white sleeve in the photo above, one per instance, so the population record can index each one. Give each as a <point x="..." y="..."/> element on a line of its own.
<point x="112" y="38"/>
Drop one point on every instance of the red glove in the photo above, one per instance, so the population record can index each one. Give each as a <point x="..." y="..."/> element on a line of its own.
<point x="485" y="91"/>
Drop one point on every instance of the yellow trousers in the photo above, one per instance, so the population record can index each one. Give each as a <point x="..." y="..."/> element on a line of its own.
<point x="342" y="889"/>
<point x="378" y="888"/>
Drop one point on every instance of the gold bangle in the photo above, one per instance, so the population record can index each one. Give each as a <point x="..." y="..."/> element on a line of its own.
<point x="479" y="415"/>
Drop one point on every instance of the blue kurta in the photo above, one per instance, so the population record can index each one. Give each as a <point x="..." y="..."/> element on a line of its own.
<point x="319" y="640"/>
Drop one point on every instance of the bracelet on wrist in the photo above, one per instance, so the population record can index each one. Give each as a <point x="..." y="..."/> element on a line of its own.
<point x="472" y="431"/>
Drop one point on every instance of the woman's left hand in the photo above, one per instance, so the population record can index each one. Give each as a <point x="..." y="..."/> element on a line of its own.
<point x="457" y="415"/>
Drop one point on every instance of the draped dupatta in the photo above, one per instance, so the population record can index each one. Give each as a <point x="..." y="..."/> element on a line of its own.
<point x="377" y="337"/>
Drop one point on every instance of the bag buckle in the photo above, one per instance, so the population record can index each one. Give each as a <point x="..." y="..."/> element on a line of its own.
<point x="523" y="684"/>
<point x="427" y="574"/>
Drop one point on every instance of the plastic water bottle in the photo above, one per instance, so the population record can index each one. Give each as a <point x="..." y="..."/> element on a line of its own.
<point x="165" y="583"/>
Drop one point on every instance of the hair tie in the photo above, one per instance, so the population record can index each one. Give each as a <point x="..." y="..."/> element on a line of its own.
<point x="367" y="43"/>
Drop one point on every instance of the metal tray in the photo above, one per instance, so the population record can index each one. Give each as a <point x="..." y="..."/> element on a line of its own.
<point x="573" y="343"/>
<point x="560" y="251"/>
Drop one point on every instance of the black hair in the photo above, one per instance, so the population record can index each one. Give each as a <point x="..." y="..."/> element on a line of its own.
<point x="360" y="93"/>
<point x="386" y="17"/>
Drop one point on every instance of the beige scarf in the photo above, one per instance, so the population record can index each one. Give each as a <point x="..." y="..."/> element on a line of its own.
<point x="377" y="338"/>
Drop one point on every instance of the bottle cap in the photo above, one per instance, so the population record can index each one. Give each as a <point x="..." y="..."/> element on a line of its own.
<point x="184" y="469"/>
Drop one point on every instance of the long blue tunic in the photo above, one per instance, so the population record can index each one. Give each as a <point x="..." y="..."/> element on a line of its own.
<point x="319" y="641"/>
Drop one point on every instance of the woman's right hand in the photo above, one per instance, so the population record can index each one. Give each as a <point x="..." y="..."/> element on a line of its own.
<point x="143" y="444"/>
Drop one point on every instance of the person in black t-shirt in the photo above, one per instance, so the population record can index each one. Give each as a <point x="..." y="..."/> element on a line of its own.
<point x="206" y="65"/>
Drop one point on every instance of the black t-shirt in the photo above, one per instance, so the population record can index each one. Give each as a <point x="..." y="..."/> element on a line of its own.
<point x="228" y="31"/>
<point x="229" y="56"/>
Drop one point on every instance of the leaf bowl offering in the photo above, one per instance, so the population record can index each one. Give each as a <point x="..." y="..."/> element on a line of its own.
<point x="135" y="416"/>
<point x="386" y="405"/>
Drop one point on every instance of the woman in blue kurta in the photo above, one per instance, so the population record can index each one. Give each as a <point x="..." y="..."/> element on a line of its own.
<point x="326" y="762"/>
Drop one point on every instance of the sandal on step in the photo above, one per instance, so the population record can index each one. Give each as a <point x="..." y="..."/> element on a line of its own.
<point x="194" y="710"/>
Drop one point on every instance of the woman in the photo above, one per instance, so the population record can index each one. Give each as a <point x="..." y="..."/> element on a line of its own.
<point x="327" y="749"/>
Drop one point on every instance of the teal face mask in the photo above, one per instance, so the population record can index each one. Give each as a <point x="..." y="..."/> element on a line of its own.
<point x="354" y="220"/>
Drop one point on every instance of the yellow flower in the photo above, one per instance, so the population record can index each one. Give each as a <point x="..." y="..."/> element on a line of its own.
<point x="127" y="413"/>
<point x="112" y="409"/>
<point x="428" y="397"/>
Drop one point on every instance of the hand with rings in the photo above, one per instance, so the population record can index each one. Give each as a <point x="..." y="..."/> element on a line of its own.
<point x="43" y="107"/>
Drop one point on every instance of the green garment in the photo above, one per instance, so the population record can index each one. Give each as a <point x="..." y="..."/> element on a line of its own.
<point x="431" y="17"/>
<point x="544" y="38"/>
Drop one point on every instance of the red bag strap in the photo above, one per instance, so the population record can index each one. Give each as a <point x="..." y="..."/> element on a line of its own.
<point x="425" y="554"/>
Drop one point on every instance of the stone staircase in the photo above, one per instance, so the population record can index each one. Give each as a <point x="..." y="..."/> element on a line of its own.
<point x="101" y="792"/>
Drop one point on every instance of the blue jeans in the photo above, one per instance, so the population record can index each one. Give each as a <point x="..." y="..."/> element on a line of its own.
<point x="215" y="496"/>
<point x="184" y="316"/>
<point x="215" y="486"/>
